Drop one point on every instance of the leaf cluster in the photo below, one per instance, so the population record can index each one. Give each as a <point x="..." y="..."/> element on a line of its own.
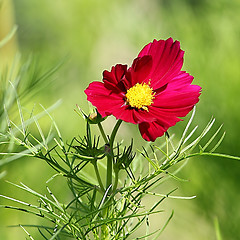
<point x="116" y="211"/>
<point x="18" y="82"/>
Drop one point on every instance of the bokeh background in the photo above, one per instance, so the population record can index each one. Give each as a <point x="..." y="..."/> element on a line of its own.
<point x="93" y="35"/>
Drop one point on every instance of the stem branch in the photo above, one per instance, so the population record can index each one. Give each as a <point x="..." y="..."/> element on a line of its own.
<point x="111" y="155"/>
<point x="103" y="133"/>
<point x="115" y="181"/>
<point x="114" y="132"/>
<point x="98" y="176"/>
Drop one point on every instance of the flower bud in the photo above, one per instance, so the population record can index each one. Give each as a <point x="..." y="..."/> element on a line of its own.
<point x="95" y="118"/>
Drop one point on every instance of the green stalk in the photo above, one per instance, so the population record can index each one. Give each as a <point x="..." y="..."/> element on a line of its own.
<point x="114" y="132"/>
<point x="116" y="181"/>
<point x="103" y="133"/>
<point x="104" y="229"/>
<point x="98" y="176"/>
<point x="109" y="171"/>
<point x="110" y="156"/>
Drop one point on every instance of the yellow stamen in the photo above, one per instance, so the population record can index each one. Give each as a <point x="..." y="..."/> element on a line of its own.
<point x="140" y="96"/>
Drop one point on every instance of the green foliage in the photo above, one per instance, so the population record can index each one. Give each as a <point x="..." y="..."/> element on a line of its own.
<point x="16" y="86"/>
<point x="18" y="83"/>
<point x="114" y="211"/>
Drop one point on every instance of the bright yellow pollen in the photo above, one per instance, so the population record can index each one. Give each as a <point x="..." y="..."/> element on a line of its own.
<point x="140" y="96"/>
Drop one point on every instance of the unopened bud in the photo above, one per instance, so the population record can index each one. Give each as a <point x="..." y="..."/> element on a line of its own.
<point x="93" y="116"/>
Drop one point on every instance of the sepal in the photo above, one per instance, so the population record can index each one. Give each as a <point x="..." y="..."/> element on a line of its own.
<point x="93" y="118"/>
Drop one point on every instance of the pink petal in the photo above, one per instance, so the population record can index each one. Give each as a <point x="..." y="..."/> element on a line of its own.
<point x="132" y="115"/>
<point x="140" y="70"/>
<point x="165" y="117"/>
<point x="151" y="130"/>
<point x="103" y="99"/>
<point x="167" y="60"/>
<point x="113" y="80"/>
<point x="180" y="81"/>
<point x="188" y="96"/>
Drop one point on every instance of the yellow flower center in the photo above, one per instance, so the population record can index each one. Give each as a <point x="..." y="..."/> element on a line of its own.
<point x="140" y="96"/>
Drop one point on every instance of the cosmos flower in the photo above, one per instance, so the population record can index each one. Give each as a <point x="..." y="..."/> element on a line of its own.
<point x="153" y="93"/>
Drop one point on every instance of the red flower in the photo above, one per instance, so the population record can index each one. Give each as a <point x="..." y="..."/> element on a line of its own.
<point x="152" y="93"/>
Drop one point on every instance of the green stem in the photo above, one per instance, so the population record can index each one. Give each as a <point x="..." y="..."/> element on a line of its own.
<point x="98" y="176"/>
<point x="116" y="181"/>
<point x="110" y="156"/>
<point x="222" y="155"/>
<point x="114" y="132"/>
<point x="109" y="171"/>
<point x="103" y="133"/>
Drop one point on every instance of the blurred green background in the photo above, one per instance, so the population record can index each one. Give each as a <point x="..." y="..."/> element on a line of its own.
<point x="93" y="35"/>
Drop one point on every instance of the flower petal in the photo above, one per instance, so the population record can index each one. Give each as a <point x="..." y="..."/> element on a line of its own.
<point x="167" y="60"/>
<point x="165" y="117"/>
<point x="132" y="115"/>
<point x="179" y="99"/>
<point x="140" y="70"/>
<point x="151" y="130"/>
<point x="104" y="99"/>
<point x="113" y="80"/>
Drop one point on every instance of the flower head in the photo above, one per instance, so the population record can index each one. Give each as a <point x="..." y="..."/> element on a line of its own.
<point x="153" y="93"/>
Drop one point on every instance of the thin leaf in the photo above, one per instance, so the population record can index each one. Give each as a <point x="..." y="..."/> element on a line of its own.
<point x="165" y="225"/>
<point x="218" y="143"/>
<point x="217" y="229"/>
<point x="27" y="232"/>
<point x="212" y="138"/>
<point x="58" y="232"/>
